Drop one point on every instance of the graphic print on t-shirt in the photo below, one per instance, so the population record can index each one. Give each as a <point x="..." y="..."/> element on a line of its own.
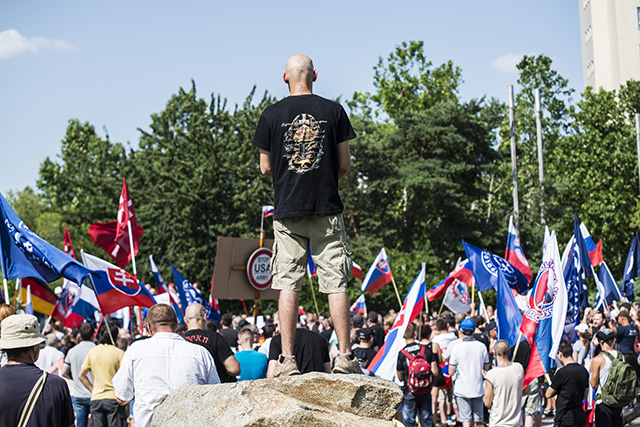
<point x="303" y="143"/>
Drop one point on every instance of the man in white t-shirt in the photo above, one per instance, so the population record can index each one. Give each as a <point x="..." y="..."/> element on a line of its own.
<point x="468" y="359"/>
<point x="503" y="389"/>
<point x="51" y="359"/>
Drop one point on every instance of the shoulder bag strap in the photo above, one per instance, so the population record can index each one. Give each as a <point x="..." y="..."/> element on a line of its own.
<point x="31" y="401"/>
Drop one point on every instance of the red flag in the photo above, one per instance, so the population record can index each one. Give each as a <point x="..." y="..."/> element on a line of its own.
<point x="68" y="247"/>
<point x="126" y="219"/>
<point x="103" y="234"/>
<point x="113" y="236"/>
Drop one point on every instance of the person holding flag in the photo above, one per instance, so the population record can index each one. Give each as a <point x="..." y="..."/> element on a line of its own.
<point x="304" y="147"/>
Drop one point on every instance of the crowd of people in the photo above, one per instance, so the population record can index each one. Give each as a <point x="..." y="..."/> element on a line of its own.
<point x="114" y="376"/>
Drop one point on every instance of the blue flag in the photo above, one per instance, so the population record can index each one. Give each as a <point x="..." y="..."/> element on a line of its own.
<point x="485" y="266"/>
<point x="609" y="286"/>
<point x="631" y="267"/>
<point x="25" y="254"/>
<point x="583" y="253"/>
<point x="163" y="291"/>
<point x="508" y="314"/>
<point x="189" y="294"/>
<point x="574" y="286"/>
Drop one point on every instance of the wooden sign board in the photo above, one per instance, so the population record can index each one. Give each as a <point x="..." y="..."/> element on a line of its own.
<point x="230" y="272"/>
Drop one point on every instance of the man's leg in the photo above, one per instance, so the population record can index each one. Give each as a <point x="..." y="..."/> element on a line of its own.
<point x="287" y="315"/>
<point x="339" y="308"/>
<point x="82" y="407"/>
<point x="409" y="410"/>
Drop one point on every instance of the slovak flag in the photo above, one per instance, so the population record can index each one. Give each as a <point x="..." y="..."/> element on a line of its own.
<point x="65" y="301"/>
<point x="514" y="254"/>
<point x="379" y="274"/>
<point x="359" y="306"/>
<point x="160" y="285"/>
<point x="461" y="273"/>
<point x="268" y="211"/>
<point x="543" y="322"/>
<point x="114" y="287"/>
<point x="385" y="361"/>
<point x="356" y="271"/>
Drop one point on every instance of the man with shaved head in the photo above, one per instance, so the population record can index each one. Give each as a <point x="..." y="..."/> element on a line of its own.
<point x="228" y="367"/>
<point x="153" y="368"/>
<point x="304" y="148"/>
<point x="503" y="388"/>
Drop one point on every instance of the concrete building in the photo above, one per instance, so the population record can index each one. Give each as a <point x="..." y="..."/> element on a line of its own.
<point x="610" y="42"/>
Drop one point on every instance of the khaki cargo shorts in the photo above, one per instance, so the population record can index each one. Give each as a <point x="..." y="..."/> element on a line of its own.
<point x="327" y="240"/>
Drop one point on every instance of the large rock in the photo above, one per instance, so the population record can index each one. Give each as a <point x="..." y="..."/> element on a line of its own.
<point x="314" y="399"/>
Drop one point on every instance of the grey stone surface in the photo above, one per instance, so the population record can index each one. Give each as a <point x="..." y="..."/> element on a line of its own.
<point x="314" y="399"/>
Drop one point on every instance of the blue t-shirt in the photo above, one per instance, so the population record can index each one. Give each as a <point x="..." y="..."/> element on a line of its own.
<point x="626" y="337"/>
<point x="253" y="365"/>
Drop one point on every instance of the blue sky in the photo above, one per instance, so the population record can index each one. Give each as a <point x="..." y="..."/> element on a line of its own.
<point x="113" y="64"/>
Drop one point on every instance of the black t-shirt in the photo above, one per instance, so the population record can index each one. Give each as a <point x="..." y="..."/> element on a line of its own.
<point x="53" y="407"/>
<point x="570" y="382"/>
<point x="302" y="134"/>
<point x="310" y="349"/>
<point x="403" y="361"/>
<point x="364" y="355"/>
<point x="378" y="335"/>
<point x="217" y="346"/>
<point x="626" y="337"/>
<point x="231" y="336"/>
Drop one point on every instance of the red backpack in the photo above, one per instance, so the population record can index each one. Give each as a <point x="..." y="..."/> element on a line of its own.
<point x="420" y="378"/>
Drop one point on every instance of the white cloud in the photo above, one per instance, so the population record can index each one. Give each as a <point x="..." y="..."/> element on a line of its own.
<point x="13" y="43"/>
<point x="507" y="63"/>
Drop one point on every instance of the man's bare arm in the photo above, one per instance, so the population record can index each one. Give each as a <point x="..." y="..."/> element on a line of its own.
<point x="265" y="163"/>
<point x="488" y="394"/>
<point x="344" y="159"/>
<point x="232" y="366"/>
<point x="82" y="376"/>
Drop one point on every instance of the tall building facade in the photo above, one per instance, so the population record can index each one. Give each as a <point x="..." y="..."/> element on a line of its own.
<point x="610" y="42"/>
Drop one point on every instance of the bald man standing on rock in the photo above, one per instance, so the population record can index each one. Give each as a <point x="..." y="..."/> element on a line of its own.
<point x="304" y="148"/>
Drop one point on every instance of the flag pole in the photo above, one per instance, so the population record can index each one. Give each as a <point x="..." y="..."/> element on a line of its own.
<point x="15" y="294"/>
<point x="313" y="292"/>
<point x="397" y="293"/>
<point x="256" y="303"/>
<point x="426" y="300"/>
<point x="6" y="289"/>
<point x="515" y="350"/>
<point x="135" y="276"/>
<point x="486" y="316"/>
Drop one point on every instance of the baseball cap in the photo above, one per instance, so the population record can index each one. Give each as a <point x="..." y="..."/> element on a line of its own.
<point x="490" y="326"/>
<point x="605" y="334"/>
<point x="20" y="331"/>
<point x="357" y="320"/>
<point x="364" y="334"/>
<point x="582" y="328"/>
<point x="467" y="325"/>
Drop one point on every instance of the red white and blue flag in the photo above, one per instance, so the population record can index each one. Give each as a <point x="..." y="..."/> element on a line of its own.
<point x="384" y="363"/>
<point x="595" y="252"/>
<point x="379" y="274"/>
<point x="114" y="287"/>
<point x="311" y="266"/>
<point x="359" y="306"/>
<point x="356" y="271"/>
<point x="85" y="306"/>
<point x="544" y="321"/>
<point x="268" y="211"/>
<point x="514" y="254"/>
<point x="461" y="273"/>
